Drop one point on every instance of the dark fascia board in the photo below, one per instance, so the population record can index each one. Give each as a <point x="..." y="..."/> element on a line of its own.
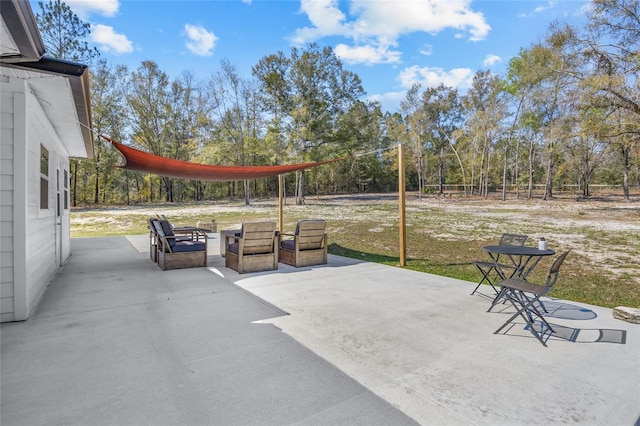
<point x="55" y="66"/>
<point x="18" y="17"/>
<point x="78" y="77"/>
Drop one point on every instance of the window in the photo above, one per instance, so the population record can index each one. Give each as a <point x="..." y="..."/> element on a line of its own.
<point x="66" y="190"/>
<point x="44" y="178"/>
<point x="58" y="200"/>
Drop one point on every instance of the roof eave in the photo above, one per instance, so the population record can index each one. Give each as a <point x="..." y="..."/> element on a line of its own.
<point x="78" y="77"/>
<point x="19" y="19"/>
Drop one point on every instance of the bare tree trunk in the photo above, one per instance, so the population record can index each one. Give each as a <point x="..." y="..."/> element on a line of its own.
<point x="440" y="176"/>
<point x="486" y="172"/>
<point x="300" y="191"/>
<point x="481" y="175"/>
<point x="531" y="168"/>
<point x="168" y="184"/>
<point x="548" y="190"/>
<point x="473" y="170"/>
<point x="504" y="174"/>
<point x="247" y="198"/>
<point x="96" y="190"/>
<point x="517" y="170"/>
<point x="625" y="172"/>
<point x="127" y="183"/>
<point x="420" y="176"/>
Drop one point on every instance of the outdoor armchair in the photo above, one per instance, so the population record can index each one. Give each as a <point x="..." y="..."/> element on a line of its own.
<point x="153" y="239"/>
<point x="179" y="252"/>
<point x="254" y="249"/>
<point x="307" y="246"/>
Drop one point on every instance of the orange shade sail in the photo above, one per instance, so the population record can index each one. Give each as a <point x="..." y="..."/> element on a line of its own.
<point x="149" y="163"/>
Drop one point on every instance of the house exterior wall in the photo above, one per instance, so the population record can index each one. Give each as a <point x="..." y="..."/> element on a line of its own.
<point x="7" y="271"/>
<point x="35" y="241"/>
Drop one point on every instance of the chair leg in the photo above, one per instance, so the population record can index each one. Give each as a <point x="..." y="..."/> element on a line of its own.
<point x="523" y="311"/>
<point x="499" y="296"/>
<point x="486" y="276"/>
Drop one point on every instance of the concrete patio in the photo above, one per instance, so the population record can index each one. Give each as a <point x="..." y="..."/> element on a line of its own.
<point x="117" y="341"/>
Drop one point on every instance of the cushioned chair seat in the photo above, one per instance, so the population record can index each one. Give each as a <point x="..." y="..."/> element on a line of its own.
<point x="185" y="246"/>
<point x="288" y="244"/>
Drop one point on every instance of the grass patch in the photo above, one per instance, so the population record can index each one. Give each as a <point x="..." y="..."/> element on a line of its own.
<point x="442" y="238"/>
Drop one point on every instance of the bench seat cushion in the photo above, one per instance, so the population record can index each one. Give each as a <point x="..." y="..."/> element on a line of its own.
<point x="185" y="246"/>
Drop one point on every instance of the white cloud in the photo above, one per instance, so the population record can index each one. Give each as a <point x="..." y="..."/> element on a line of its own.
<point x="491" y="59"/>
<point x="201" y="42"/>
<point x="85" y="8"/>
<point x="549" y="5"/>
<point x="389" y="101"/>
<point x="110" y="41"/>
<point x="366" y="54"/>
<point x="460" y="78"/>
<point x="378" y="24"/>
<point x="427" y="50"/>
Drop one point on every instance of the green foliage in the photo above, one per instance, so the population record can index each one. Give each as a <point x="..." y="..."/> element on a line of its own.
<point x="63" y="33"/>
<point x="565" y="115"/>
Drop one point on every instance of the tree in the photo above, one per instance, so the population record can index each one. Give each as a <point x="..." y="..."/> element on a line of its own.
<point x="235" y="105"/>
<point x="487" y="109"/>
<point x="64" y="34"/>
<point x="609" y="78"/>
<point x="442" y="110"/>
<point x="149" y="102"/>
<point x="109" y="118"/>
<point x="417" y="130"/>
<point x="313" y="90"/>
<point x="186" y="117"/>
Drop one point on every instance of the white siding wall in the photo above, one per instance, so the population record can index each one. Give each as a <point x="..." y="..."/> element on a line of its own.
<point x="6" y="201"/>
<point x="42" y="254"/>
<point x="30" y="256"/>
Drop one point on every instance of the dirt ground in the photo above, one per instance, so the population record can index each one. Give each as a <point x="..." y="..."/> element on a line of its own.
<point x="605" y="229"/>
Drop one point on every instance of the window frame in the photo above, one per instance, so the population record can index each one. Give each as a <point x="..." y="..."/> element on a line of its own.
<point x="44" y="177"/>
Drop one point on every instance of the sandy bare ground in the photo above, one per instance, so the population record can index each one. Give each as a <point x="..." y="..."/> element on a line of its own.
<point x="606" y="230"/>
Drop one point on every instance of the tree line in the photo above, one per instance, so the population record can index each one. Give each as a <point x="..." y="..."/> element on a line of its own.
<point x="566" y="112"/>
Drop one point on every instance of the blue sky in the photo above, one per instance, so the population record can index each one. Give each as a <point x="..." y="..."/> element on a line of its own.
<point x="390" y="44"/>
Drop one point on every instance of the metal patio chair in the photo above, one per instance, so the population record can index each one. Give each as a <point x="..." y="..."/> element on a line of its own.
<point x="488" y="268"/>
<point x="524" y="296"/>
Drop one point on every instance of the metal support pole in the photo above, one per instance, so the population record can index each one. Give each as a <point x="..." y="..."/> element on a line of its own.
<point x="401" y="201"/>
<point x="280" y="202"/>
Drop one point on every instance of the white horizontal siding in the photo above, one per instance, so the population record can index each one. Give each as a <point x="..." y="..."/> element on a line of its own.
<point x="30" y="255"/>
<point x="7" y="303"/>
<point x="40" y="237"/>
<point x="6" y="279"/>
